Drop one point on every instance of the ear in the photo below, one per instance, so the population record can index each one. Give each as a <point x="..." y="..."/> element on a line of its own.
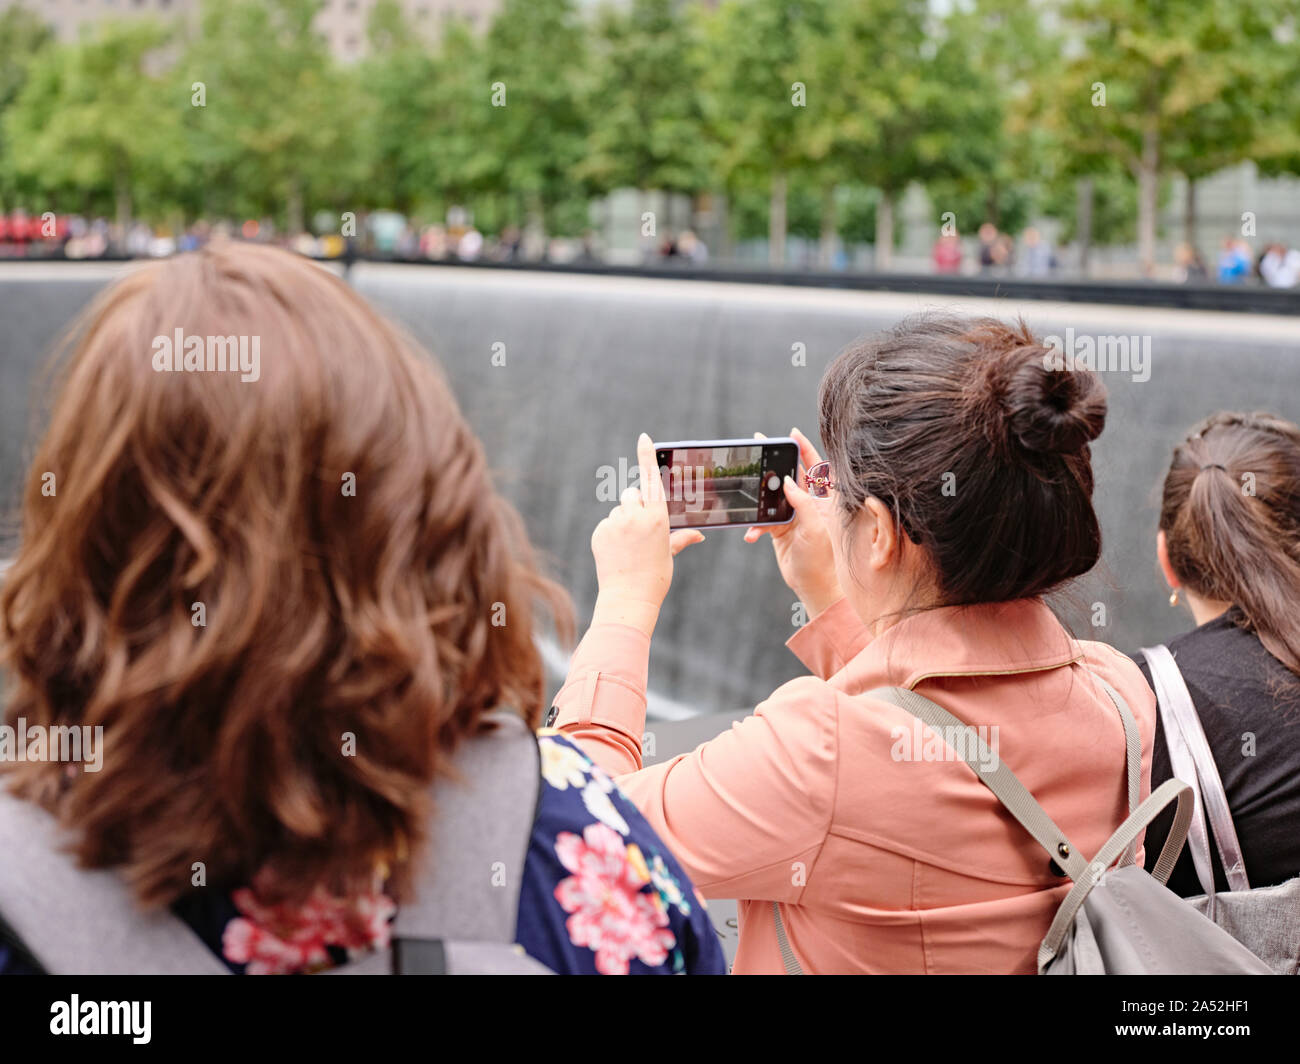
<point x="1162" y="556"/>
<point x="883" y="547"/>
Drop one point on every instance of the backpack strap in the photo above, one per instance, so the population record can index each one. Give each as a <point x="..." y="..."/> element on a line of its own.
<point x="74" y="920"/>
<point x="1123" y="840"/>
<point x="1008" y="789"/>
<point x="468" y="879"/>
<point x="1006" y="786"/>
<point x="1017" y="800"/>
<point x="1193" y="762"/>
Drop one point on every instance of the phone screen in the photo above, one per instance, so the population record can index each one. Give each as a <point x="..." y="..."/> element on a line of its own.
<point x="727" y="482"/>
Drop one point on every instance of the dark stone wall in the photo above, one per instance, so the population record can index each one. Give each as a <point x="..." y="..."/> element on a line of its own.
<point x="590" y="362"/>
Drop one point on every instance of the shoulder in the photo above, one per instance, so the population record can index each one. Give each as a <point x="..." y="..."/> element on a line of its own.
<point x="1125" y="675"/>
<point x="602" y="894"/>
<point x="802" y="711"/>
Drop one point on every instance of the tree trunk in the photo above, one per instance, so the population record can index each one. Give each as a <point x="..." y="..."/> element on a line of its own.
<point x="293" y="210"/>
<point x="1148" y="199"/>
<point x="826" y="245"/>
<point x="1083" y="222"/>
<point x="122" y="204"/>
<point x="885" y="231"/>
<point x="776" y="223"/>
<point x="1189" y="214"/>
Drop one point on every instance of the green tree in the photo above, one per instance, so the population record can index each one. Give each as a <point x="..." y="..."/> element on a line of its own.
<point x="647" y="128"/>
<point x="1277" y="120"/>
<point x="23" y="36"/>
<point x="1166" y="86"/>
<point x="763" y="103"/>
<point x="427" y="140"/>
<point x="532" y="108"/>
<point x="280" y="128"/>
<point x="92" y="119"/>
<point x="1011" y="45"/>
<point x="906" y="102"/>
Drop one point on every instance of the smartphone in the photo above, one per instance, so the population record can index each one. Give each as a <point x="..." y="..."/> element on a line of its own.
<point x="727" y="483"/>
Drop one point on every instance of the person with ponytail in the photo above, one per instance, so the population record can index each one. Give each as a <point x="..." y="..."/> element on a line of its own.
<point x="1229" y="547"/>
<point x="956" y="495"/>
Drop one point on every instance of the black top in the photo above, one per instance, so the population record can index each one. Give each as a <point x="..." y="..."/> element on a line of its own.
<point x="1241" y="692"/>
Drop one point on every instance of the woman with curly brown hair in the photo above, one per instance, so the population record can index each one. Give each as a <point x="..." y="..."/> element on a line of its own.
<point x="263" y="557"/>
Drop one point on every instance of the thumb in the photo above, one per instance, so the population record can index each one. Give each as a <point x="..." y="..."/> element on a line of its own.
<point x="678" y="541"/>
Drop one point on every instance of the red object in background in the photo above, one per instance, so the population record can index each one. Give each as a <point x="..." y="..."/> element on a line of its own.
<point x="19" y="228"/>
<point x="947" y="255"/>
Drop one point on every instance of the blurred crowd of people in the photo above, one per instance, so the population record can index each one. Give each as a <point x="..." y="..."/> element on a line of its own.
<point x="998" y="254"/>
<point x="1276" y="265"/>
<point x="387" y="234"/>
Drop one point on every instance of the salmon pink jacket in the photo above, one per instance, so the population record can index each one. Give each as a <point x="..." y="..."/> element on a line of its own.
<point x="884" y="853"/>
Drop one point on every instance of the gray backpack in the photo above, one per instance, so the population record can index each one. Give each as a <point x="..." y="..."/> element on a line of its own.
<point x="73" y="921"/>
<point x="1116" y="920"/>
<point x="1266" y="919"/>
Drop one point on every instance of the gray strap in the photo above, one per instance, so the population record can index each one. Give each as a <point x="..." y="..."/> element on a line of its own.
<point x="1132" y="757"/>
<point x="1183" y="730"/>
<point x="468" y="880"/>
<point x="1113" y="847"/>
<point x="1008" y="788"/>
<point x="1122" y="845"/>
<point x="75" y="921"/>
<point x="993" y="774"/>
<point x="467" y="883"/>
<point x="1184" y="768"/>
<point x="791" y="962"/>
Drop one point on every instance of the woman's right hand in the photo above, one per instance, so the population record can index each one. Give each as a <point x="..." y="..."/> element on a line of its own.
<point x="803" y="546"/>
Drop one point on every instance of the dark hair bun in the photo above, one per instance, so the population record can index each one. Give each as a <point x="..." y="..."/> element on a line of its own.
<point x="1044" y="406"/>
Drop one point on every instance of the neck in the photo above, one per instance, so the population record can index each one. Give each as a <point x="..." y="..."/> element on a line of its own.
<point x="1204" y="610"/>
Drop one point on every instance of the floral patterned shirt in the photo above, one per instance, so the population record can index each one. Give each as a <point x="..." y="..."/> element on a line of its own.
<point x="600" y="895"/>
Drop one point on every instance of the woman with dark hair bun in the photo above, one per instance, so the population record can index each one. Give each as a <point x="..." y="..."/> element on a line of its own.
<point x="1229" y="548"/>
<point x="957" y="493"/>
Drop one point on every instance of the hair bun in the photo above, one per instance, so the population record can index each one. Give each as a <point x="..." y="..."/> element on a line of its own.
<point x="1045" y="407"/>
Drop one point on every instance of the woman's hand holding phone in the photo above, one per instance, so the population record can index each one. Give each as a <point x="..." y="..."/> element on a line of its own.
<point x="634" y="550"/>
<point x="803" y="546"/>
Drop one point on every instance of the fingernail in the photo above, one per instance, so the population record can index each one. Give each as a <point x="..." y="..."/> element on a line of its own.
<point x="643" y="438"/>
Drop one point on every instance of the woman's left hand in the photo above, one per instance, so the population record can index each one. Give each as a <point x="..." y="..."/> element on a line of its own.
<point x="634" y="549"/>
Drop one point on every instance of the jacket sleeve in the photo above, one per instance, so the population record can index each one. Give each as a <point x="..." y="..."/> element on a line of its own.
<point x="746" y="813"/>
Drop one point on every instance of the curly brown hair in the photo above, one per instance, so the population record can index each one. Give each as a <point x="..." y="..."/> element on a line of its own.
<point x="358" y="575"/>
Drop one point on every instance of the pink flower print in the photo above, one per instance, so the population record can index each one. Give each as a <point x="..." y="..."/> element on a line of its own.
<point x="609" y="912"/>
<point x="281" y="939"/>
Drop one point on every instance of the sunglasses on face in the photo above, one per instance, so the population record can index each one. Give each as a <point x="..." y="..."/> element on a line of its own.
<point x="818" y="479"/>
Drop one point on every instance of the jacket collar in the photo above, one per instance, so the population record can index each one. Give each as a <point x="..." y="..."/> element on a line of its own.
<point x="989" y="639"/>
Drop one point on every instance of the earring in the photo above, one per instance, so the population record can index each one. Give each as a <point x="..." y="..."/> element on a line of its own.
<point x="1173" y="599"/>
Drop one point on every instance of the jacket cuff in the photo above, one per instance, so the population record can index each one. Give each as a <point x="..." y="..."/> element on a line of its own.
<point x="606" y="685"/>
